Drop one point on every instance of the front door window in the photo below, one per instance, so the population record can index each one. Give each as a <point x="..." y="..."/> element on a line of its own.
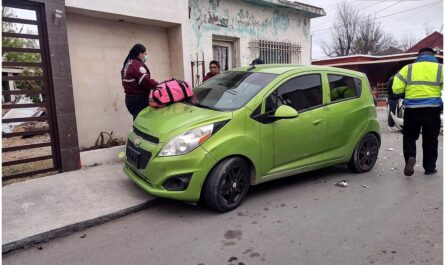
<point x="299" y="141"/>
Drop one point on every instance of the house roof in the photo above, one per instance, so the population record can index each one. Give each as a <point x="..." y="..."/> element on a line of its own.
<point x="359" y="58"/>
<point x="304" y="9"/>
<point x="368" y="59"/>
<point x="434" y="40"/>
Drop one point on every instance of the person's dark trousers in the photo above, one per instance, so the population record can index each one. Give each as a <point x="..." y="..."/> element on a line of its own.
<point x="392" y="104"/>
<point x="135" y="104"/>
<point x="427" y="120"/>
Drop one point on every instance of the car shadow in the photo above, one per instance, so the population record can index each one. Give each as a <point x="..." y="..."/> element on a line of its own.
<point x="330" y="175"/>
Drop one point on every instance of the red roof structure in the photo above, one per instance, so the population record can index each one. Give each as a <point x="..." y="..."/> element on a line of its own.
<point x="434" y="40"/>
<point x="380" y="68"/>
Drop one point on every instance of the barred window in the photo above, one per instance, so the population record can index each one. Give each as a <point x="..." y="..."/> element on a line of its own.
<point x="276" y="52"/>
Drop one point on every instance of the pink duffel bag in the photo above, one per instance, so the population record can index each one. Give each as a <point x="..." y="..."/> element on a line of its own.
<point x="169" y="92"/>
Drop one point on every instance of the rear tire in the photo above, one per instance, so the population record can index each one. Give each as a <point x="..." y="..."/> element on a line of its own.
<point x="365" y="154"/>
<point x="227" y="184"/>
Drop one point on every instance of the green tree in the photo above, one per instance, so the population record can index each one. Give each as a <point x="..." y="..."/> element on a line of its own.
<point x="21" y="56"/>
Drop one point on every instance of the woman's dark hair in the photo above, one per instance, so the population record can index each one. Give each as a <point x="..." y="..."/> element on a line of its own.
<point x="134" y="52"/>
<point x="215" y="63"/>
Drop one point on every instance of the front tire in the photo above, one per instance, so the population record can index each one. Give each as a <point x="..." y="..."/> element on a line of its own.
<point x="365" y="154"/>
<point x="227" y="184"/>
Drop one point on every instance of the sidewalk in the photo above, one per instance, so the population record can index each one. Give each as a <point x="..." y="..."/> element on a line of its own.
<point x="40" y="209"/>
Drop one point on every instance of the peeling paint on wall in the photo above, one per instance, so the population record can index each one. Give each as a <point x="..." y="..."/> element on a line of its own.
<point x="246" y="21"/>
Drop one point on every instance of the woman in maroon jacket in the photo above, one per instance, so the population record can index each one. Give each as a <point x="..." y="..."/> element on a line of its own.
<point x="214" y="70"/>
<point x="136" y="80"/>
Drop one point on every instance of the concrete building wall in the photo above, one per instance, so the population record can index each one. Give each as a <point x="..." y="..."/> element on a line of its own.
<point x="173" y="11"/>
<point x="159" y="13"/>
<point x="245" y="22"/>
<point x="100" y="34"/>
<point x="97" y="50"/>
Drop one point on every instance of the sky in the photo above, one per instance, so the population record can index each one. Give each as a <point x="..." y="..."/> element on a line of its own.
<point x="410" y="22"/>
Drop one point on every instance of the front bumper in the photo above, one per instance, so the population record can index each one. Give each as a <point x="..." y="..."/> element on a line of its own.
<point x="198" y="163"/>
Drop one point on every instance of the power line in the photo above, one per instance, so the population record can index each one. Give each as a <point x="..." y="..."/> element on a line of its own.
<point x="373" y="5"/>
<point x="331" y="20"/>
<point x="404" y="11"/>
<point x="336" y="3"/>
<point x="398" y="2"/>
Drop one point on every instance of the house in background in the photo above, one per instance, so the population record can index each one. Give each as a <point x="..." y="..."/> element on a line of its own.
<point x="100" y="34"/>
<point x="83" y="44"/>
<point x="434" y="40"/>
<point x="235" y="32"/>
<point x="380" y="68"/>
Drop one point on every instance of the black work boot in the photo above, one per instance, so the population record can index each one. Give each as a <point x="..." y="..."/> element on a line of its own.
<point x="430" y="171"/>
<point x="409" y="166"/>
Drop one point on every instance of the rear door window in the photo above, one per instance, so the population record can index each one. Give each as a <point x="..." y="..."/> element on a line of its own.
<point x="344" y="87"/>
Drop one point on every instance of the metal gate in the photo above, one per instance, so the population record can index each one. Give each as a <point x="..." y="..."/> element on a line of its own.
<point x="29" y="138"/>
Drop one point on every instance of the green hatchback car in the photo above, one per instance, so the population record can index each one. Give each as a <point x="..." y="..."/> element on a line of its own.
<point x="251" y="125"/>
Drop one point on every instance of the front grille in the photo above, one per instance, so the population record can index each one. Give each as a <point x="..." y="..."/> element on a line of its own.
<point x="145" y="136"/>
<point x="142" y="159"/>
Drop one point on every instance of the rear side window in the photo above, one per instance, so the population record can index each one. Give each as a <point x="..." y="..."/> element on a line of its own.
<point x="344" y="87"/>
<point x="302" y="93"/>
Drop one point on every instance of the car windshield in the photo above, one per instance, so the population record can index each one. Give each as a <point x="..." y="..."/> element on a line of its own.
<point x="230" y="90"/>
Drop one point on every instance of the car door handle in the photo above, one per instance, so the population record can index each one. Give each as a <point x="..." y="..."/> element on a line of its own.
<point x="317" y="122"/>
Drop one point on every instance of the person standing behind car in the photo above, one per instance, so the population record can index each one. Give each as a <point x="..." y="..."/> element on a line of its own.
<point x="393" y="100"/>
<point x="215" y="69"/>
<point x="136" y="80"/>
<point x="422" y="84"/>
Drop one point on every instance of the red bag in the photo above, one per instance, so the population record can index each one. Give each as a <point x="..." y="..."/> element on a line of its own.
<point x="169" y="92"/>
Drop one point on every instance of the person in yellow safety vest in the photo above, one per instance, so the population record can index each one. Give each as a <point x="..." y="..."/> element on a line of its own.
<point x="341" y="91"/>
<point x="421" y="82"/>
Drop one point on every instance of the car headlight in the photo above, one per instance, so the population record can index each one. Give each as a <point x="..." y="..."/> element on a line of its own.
<point x="186" y="142"/>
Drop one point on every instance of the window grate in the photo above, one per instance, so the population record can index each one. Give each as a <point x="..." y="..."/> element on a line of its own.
<point x="276" y="52"/>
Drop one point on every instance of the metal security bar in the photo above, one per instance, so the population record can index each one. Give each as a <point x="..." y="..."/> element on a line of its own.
<point x="28" y="117"/>
<point x="276" y="52"/>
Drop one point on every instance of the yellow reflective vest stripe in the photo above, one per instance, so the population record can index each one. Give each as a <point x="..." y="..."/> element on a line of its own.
<point x="419" y="80"/>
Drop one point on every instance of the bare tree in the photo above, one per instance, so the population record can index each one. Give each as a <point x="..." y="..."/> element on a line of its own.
<point x="407" y="41"/>
<point x="355" y="34"/>
<point x="371" y="39"/>
<point x="344" y="32"/>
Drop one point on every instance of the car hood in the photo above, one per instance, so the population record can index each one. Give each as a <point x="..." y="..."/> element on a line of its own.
<point x="170" y="121"/>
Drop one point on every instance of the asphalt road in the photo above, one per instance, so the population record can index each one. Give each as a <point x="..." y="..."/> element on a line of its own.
<point x="301" y="220"/>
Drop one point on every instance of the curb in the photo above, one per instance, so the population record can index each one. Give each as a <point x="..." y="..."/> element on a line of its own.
<point x="69" y="229"/>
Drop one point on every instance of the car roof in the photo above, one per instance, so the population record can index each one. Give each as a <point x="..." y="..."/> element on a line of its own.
<point x="283" y="68"/>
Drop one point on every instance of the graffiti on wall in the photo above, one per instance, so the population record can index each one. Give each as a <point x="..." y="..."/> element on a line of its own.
<point x="244" y="22"/>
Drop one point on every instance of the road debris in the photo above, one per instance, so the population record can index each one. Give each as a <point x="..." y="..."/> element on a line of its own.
<point x="365" y="186"/>
<point x="83" y="236"/>
<point x="390" y="149"/>
<point x="39" y="247"/>
<point x="342" y="184"/>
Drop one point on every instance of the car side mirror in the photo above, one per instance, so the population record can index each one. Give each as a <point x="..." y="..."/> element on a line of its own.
<point x="285" y="112"/>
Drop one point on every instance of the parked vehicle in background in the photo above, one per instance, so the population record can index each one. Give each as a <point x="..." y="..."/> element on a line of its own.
<point x="398" y="116"/>
<point x="251" y="125"/>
